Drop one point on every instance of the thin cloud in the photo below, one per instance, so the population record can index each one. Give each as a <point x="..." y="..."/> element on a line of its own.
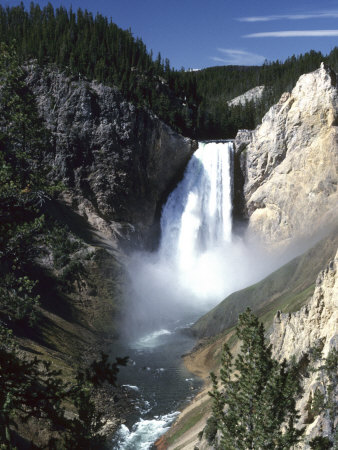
<point x="317" y="15"/>
<point x="294" y="33"/>
<point x="238" y="57"/>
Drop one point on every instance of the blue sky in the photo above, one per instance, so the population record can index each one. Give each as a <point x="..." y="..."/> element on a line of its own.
<point x="200" y="33"/>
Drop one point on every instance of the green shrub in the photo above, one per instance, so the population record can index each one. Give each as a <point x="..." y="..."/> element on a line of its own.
<point x="210" y="430"/>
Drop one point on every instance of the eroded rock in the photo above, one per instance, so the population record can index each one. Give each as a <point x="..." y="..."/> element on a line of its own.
<point x="314" y="326"/>
<point x="117" y="162"/>
<point x="290" y="162"/>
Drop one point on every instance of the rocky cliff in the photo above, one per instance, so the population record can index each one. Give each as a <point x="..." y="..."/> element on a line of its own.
<point x="290" y="162"/>
<point x="117" y="162"/>
<point x="286" y="179"/>
<point x="309" y="335"/>
<point x="301" y="335"/>
<point x="253" y="94"/>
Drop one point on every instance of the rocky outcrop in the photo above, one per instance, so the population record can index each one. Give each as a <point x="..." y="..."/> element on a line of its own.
<point x="300" y="334"/>
<point x="117" y="162"/>
<point x="253" y="94"/>
<point x="290" y="162"/>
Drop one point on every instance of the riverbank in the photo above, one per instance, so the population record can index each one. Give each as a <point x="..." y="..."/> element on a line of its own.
<point x="203" y="359"/>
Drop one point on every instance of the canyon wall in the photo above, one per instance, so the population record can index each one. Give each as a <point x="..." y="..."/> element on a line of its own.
<point x="290" y="163"/>
<point x="310" y="335"/>
<point x="286" y="176"/>
<point x="117" y="162"/>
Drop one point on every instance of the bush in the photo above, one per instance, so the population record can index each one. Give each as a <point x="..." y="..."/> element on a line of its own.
<point x="210" y="430"/>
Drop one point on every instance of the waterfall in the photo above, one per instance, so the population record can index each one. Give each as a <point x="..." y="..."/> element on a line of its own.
<point x="196" y="221"/>
<point x="199" y="262"/>
<point x="197" y="216"/>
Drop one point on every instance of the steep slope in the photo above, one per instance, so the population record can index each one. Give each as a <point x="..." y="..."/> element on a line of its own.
<point x="287" y="172"/>
<point x="253" y="94"/>
<point x="292" y="334"/>
<point x="288" y="288"/>
<point x="114" y="164"/>
<point x="301" y="335"/>
<point x="290" y="163"/>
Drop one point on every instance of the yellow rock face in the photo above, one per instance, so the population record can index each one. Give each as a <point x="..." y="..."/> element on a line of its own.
<point x="292" y="163"/>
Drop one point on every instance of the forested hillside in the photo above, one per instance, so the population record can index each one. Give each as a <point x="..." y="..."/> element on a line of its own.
<point x="217" y="85"/>
<point x="46" y="315"/>
<point x="96" y="48"/>
<point x="192" y="102"/>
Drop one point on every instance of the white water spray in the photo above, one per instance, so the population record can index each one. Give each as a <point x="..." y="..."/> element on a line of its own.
<point x="199" y="261"/>
<point x="196" y="220"/>
<point x="184" y="275"/>
<point x="197" y="215"/>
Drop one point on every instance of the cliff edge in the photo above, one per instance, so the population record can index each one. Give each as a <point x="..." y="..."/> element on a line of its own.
<point x="310" y="335"/>
<point x="290" y="163"/>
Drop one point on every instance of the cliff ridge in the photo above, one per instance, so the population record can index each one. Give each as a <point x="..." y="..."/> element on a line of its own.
<point x="290" y="163"/>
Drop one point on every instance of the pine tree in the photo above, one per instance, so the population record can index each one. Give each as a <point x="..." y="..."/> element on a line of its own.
<point x="255" y="408"/>
<point x="23" y="188"/>
<point x="324" y="400"/>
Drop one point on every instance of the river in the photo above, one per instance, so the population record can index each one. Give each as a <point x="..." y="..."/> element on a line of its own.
<point x="159" y="384"/>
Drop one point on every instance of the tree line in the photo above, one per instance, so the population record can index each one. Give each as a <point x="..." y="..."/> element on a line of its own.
<point x="194" y="103"/>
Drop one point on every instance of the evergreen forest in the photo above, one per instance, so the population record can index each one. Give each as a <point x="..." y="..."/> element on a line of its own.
<point x="194" y="103"/>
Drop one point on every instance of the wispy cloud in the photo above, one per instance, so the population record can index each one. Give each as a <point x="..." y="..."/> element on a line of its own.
<point x="315" y="15"/>
<point x="293" y="33"/>
<point x="238" y="57"/>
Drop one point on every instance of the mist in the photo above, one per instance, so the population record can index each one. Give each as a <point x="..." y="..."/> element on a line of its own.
<point x="162" y="293"/>
<point x="200" y="261"/>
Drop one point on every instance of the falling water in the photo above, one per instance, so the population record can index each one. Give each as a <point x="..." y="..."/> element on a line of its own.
<point x="197" y="215"/>
<point x="196" y="220"/>
<point x="169" y="287"/>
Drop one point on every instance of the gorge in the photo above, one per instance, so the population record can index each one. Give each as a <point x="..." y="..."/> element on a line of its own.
<point x="242" y="261"/>
<point x="173" y="286"/>
<point x="154" y="240"/>
<point x="276" y="158"/>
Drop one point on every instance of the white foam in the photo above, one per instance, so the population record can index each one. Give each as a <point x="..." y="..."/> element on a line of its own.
<point x="131" y="387"/>
<point x="151" y="340"/>
<point x="144" y="433"/>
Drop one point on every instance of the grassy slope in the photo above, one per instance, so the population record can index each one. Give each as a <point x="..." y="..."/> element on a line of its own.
<point x="286" y="289"/>
<point x="73" y="321"/>
<point x="77" y="313"/>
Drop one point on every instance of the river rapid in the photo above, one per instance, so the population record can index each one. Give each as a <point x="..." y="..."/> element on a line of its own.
<point x="158" y="383"/>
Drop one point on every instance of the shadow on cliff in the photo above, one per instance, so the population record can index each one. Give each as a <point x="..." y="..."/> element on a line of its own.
<point x="77" y="224"/>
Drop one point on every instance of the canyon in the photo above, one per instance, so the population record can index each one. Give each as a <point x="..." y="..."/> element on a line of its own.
<point x="118" y="164"/>
<point x="287" y="186"/>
